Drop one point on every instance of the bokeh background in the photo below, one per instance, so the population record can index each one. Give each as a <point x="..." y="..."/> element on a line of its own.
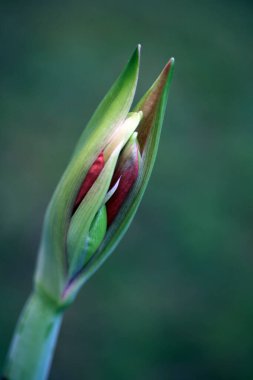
<point x="175" y="301"/>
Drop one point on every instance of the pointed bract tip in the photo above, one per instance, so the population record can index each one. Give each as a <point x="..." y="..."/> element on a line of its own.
<point x="137" y="51"/>
<point x="169" y="67"/>
<point x="134" y="61"/>
<point x="166" y="75"/>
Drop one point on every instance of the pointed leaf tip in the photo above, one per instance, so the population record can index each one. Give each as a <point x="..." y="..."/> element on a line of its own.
<point x="135" y="59"/>
<point x="153" y="104"/>
<point x="169" y="67"/>
<point x="166" y="73"/>
<point x="157" y="89"/>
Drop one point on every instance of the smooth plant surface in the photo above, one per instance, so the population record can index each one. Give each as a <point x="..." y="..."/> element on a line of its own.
<point x="90" y="210"/>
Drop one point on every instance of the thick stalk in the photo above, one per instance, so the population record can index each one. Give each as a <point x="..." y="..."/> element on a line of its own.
<point x="34" y="340"/>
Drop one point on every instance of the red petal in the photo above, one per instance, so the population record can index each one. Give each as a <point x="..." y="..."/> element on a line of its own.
<point x="89" y="180"/>
<point x="128" y="173"/>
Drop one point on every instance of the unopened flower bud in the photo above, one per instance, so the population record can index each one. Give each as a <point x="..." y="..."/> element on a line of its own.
<point x="103" y="184"/>
<point x="90" y="199"/>
<point x="90" y="211"/>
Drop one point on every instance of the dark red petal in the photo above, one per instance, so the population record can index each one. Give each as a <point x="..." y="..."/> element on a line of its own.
<point x="128" y="173"/>
<point x="89" y="180"/>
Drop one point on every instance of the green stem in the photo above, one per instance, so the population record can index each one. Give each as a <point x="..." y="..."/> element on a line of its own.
<point x="34" y="340"/>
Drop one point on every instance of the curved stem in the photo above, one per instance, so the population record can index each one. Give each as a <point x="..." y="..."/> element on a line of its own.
<point x="34" y="340"/>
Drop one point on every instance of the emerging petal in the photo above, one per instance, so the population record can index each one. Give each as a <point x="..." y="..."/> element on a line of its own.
<point x="126" y="173"/>
<point x="89" y="180"/>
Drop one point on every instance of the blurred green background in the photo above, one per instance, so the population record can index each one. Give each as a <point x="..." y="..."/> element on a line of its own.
<point x="175" y="299"/>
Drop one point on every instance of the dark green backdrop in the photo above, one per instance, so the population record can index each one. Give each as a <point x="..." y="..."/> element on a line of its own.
<point x="175" y="300"/>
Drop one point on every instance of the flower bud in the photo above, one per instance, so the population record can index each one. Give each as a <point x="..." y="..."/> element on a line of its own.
<point x="102" y="186"/>
<point x="91" y="197"/>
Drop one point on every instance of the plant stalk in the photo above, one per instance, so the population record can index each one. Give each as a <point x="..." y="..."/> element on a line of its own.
<point x="34" y="340"/>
